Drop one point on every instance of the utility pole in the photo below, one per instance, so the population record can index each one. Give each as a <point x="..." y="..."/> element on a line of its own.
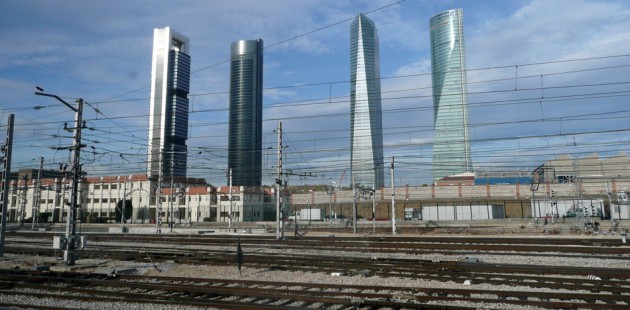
<point x="610" y="202"/>
<point x="6" y="149"/>
<point x="158" y="194"/>
<point x="354" y="206"/>
<point x="70" y="242"/>
<point x="37" y="192"/>
<point x="22" y="212"/>
<point x="171" y="222"/>
<point x="118" y="200"/>
<point x="373" y="206"/>
<point x="231" y="199"/>
<point x="391" y="168"/>
<point x="333" y="217"/>
<point x="122" y="205"/>
<point x="534" y="187"/>
<point x="279" y="183"/>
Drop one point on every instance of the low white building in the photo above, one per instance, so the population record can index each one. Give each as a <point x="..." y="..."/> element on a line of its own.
<point x="247" y="204"/>
<point x="185" y="200"/>
<point x="101" y="201"/>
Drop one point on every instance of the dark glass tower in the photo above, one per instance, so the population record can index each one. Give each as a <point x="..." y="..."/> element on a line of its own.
<point x="366" y="134"/>
<point x="451" y="146"/>
<point x="168" y="120"/>
<point x="245" y="129"/>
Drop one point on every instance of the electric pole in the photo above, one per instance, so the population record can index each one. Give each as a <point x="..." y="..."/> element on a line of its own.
<point x="70" y="241"/>
<point x="279" y="183"/>
<point x="122" y="205"/>
<point x="391" y="168"/>
<point x="330" y="208"/>
<point x="6" y="149"/>
<point x="22" y="211"/>
<point x="37" y="192"/>
<point x="158" y="194"/>
<point x="373" y="206"/>
<point x="171" y="222"/>
<point x="230" y="197"/>
<point x="354" y="206"/>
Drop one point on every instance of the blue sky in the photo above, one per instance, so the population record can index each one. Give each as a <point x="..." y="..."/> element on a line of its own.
<point x="546" y="78"/>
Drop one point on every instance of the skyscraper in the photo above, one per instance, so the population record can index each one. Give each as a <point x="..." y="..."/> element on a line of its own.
<point x="451" y="146"/>
<point x="245" y="128"/>
<point x="168" y="119"/>
<point x="366" y="130"/>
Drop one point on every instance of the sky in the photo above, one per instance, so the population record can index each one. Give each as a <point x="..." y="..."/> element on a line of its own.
<point x="545" y="79"/>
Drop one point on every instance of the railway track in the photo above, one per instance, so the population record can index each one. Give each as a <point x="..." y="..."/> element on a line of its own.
<point x="611" y="247"/>
<point x="534" y="285"/>
<point x="243" y="294"/>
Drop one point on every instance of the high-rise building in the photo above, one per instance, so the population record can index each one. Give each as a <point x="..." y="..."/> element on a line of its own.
<point x="366" y="154"/>
<point x="451" y="146"/>
<point x="245" y="128"/>
<point x="168" y="119"/>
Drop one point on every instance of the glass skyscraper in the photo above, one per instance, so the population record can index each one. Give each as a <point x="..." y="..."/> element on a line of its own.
<point x="245" y="128"/>
<point x="168" y="119"/>
<point x="451" y="146"/>
<point x="366" y="135"/>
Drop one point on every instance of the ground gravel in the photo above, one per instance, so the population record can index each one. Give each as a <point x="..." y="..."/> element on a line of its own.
<point x="171" y="269"/>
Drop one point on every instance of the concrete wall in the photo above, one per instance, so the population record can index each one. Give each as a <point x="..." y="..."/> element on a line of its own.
<point x="515" y="198"/>
<point x="100" y="200"/>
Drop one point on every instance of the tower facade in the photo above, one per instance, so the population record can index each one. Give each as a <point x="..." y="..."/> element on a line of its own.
<point x="366" y="130"/>
<point x="168" y="119"/>
<point x="245" y="119"/>
<point x="451" y="146"/>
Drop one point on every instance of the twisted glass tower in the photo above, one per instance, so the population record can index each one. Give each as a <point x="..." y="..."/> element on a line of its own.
<point x="168" y="116"/>
<point x="451" y="147"/>
<point x="245" y="119"/>
<point x="366" y="132"/>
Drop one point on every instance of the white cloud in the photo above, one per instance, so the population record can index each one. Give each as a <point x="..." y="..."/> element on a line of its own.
<point x="552" y="30"/>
